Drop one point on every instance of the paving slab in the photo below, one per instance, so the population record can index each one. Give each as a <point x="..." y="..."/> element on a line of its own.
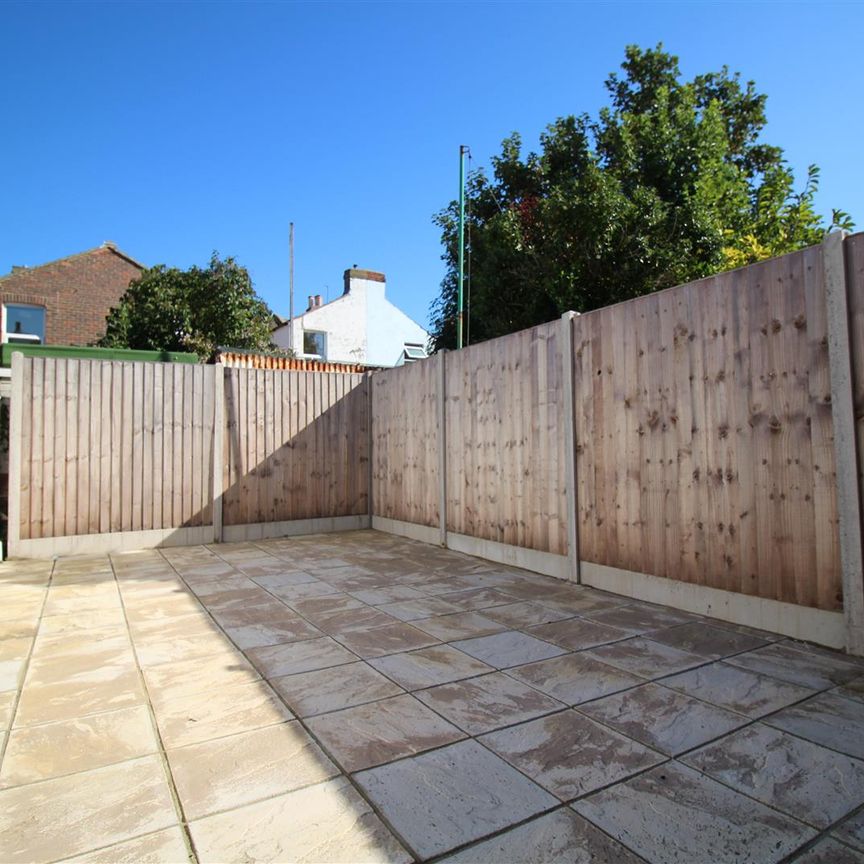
<point x="576" y="634"/>
<point x="217" y="669"/>
<point x="488" y="702"/>
<point x="347" y="620"/>
<point x="809" y="782"/>
<point x="438" y="664"/>
<point x="420" y="607"/>
<point x="526" y="614"/>
<point x="787" y="663"/>
<point x="645" y="657"/>
<point x="661" y="718"/>
<point x="737" y="689"/>
<point x="473" y="599"/>
<point x="459" y="625"/>
<point x="322" y="690"/>
<point x="562" y="837"/>
<point x="708" y="640"/>
<point x="7" y="702"/>
<point x="275" y="631"/>
<point x="388" y="594"/>
<point x="192" y="717"/>
<point x="639" y="618"/>
<point x="378" y="732"/>
<point x="167" y="846"/>
<point x="327" y="822"/>
<point x="828" y="851"/>
<point x="66" y="816"/>
<point x="674" y="815"/>
<point x="229" y="772"/>
<point x="510" y="648"/>
<point x="575" y="678"/>
<point x="569" y="754"/>
<point x="277" y="660"/>
<point x="54" y="749"/>
<point x="851" y="830"/>
<point x="441" y="800"/>
<point x="828" y="719"/>
<point x="386" y="639"/>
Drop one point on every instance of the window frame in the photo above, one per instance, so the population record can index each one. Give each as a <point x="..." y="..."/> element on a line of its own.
<point x="4" y="321"/>
<point x="323" y="335"/>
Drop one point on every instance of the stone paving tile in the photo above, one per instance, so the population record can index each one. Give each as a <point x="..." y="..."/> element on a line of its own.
<point x="58" y="661"/>
<point x="663" y="719"/>
<point x="441" y="800"/>
<point x="674" y="815"/>
<point x="20" y="626"/>
<point x="852" y="689"/>
<point x="806" y="781"/>
<point x="277" y="660"/>
<point x="327" y="822"/>
<point x="161" y="847"/>
<point x="304" y="591"/>
<point x="389" y="639"/>
<point x="387" y="594"/>
<point x="154" y="651"/>
<point x="439" y="664"/>
<point x="379" y="732"/>
<point x="737" y="689"/>
<point x="645" y="657"/>
<point x="526" y="614"/>
<point x="562" y="837"/>
<point x="277" y="630"/>
<point x="188" y="718"/>
<point x="851" y="831"/>
<point x="365" y="618"/>
<point x="707" y="640"/>
<point x="575" y="678"/>
<point x="59" y="625"/>
<point x="473" y="599"/>
<point x="576" y="634"/>
<point x="237" y="770"/>
<point x="332" y="689"/>
<point x="510" y="648"/>
<point x="272" y="610"/>
<point x="640" y="618"/>
<point x="7" y="701"/>
<point x="827" y="719"/>
<point x="828" y="851"/>
<point x="162" y="609"/>
<point x="798" y="667"/>
<point x="489" y="702"/>
<point x="274" y="581"/>
<point x="569" y="754"/>
<point x="460" y="625"/>
<point x="216" y="669"/>
<point x="317" y="608"/>
<point x="424" y="607"/>
<point x="68" y="699"/>
<point x="13" y="659"/>
<point x="69" y="815"/>
<point x="54" y="749"/>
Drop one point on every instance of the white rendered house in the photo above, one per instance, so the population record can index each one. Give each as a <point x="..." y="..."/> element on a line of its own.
<point x="361" y="326"/>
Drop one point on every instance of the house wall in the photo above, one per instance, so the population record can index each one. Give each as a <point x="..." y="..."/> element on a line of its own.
<point x="362" y="326"/>
<point x="77" y="293"/>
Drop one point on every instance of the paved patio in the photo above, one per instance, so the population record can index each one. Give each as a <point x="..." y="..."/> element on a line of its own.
<point x="360" y="697"/>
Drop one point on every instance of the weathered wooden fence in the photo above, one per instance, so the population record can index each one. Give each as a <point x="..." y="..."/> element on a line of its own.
<point x="697" y="447"/>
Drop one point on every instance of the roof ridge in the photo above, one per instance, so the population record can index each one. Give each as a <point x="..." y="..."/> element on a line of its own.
<point x="110" y="247"/>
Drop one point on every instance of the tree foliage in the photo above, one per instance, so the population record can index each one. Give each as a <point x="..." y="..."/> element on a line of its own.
<point x="196" y="310"/>
<point x="669" y="183"/>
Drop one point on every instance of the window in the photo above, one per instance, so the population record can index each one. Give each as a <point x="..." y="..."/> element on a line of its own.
<point x="314" y="342"/>
<point x="23" y="324"/>
<point x="413" y="352"/>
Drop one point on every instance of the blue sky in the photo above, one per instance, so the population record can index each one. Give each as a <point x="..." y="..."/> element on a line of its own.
<point x="177" y="129"/>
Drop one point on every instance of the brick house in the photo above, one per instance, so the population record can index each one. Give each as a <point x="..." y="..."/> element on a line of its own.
<point x="65" y="302"/>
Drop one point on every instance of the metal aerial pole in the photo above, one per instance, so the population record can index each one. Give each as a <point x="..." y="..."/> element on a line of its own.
<point x="291" y="287"/>
<point x="460" y="316"/>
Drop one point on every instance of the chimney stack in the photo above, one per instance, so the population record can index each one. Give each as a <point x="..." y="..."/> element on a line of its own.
<point x="314" y="302"/>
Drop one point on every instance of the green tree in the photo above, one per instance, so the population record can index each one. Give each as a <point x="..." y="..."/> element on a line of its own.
<point x="669" y="183"/>
<point x="196" y="310"/>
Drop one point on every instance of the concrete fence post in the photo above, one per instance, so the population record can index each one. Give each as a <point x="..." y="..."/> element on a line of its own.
<point x="218" y="448"/>
<point x="370" y="474"/>
<point x="845" y="449"/>
<point x="442" y="446"/>
<point x="570" y="445"/>
<point x="16" y="410"/>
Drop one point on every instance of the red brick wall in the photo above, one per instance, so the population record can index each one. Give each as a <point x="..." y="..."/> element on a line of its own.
<point x="76" y="292"/>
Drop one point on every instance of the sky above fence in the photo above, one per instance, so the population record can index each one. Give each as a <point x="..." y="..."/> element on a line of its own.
<point x="177" y="129"/>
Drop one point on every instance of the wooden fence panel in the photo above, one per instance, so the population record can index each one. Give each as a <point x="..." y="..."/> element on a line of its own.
<point x="94" y="444"/>
<point x="506" y="477"/>
<point x="703" y="434"/>
<point x="296" y="445"/>
<point x="405" y="475"/>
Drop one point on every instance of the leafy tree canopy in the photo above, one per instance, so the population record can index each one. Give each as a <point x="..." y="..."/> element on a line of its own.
<point x="669" y="183"/>
<point x="194" y="310"/>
